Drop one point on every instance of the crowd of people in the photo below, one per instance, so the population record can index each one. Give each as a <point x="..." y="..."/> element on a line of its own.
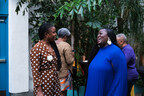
<point x="110" y="70"/>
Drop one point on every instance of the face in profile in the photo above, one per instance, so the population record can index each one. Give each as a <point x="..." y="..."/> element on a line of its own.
<point x="102" y="38"/>
<point x="119" y="41"/>
<point x="51" y="35"/>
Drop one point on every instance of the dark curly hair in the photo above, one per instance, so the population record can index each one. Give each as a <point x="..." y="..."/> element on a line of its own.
<point x="44" y="28"/>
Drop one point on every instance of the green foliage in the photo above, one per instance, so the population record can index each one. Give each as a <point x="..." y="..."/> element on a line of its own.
<point x="85" y="17"/>
<point x="80" y="79"/>
<point x="139" y="82"/>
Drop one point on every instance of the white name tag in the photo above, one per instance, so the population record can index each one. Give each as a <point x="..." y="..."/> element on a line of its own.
<point x="50" y="58"/>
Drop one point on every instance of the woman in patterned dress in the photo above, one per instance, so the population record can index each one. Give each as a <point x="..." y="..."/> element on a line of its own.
<point x="45" y="63"/>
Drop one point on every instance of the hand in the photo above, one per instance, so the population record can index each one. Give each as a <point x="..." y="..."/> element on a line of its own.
<point x="73" y="54"/>
<point x="40" y="93"/>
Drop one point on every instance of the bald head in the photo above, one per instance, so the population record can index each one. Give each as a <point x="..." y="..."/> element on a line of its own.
<point x="121" y="40"/>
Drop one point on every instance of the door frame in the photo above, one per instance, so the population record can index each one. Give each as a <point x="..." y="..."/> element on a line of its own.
<point x="7" y="59"/>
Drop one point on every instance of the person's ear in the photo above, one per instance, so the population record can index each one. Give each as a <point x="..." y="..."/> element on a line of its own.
<point x="65" y="38"/>
<point x="46" y="34"/>
<point x="122" y="42"/>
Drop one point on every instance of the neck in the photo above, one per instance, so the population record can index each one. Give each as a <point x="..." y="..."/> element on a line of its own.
<point x="106" y="45"/>
<point x="60" y="39"/>
<point x="45" y="41"/>
<point x="102" y="45"/>
<point x="124" y="45"/>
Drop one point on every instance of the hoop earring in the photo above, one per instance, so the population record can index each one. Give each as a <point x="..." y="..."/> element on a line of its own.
<point x="109" y="41"/>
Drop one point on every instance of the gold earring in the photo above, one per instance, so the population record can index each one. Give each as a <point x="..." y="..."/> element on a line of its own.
<point x="109" y="41"/>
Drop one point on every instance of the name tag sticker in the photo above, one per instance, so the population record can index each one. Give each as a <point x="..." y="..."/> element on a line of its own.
<point x="50" y="58"/>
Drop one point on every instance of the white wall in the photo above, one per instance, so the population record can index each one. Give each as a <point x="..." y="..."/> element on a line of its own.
<point x="18" y="50"/>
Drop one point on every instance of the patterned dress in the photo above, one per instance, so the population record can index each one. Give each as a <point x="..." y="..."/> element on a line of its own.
<point x="44" y="70"/>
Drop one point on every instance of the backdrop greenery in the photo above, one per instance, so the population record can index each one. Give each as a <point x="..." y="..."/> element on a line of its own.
<point x="85" y="17"/>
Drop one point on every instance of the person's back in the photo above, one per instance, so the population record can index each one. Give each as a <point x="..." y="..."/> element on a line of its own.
<point x="67" y="59"/>
<point x="131" y="59"/>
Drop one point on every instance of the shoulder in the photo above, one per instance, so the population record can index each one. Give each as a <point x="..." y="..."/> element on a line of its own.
<point x="64" y="44"/>
<point x="127" y="49"/>
<point x="117" y="54"/>
<point x="116" y="51"/>
<point x="37" y="46"/>
<point x="115" y="48"/>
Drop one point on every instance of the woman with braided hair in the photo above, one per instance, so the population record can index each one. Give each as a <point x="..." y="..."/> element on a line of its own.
<point x="46" y="63"/>
<point x="107" y="68"/>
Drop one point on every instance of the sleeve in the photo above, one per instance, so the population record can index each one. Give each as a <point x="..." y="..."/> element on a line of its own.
<point x="35" y="64"/>
<point x="119" y="84"/>
<point x="69" y="58"/>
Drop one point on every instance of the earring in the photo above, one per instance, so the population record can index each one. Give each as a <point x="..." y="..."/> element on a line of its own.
<point x="109" y="41"/>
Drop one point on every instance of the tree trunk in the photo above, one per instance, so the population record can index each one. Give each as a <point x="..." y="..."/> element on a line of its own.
<point x="119" y="20"/>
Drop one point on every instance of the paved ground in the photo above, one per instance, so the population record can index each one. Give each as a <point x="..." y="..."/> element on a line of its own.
<point x="23" y="94"/>
<point x="70" y="93"/>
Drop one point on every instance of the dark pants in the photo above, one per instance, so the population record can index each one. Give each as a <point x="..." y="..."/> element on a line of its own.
<point x="130" y="84"/>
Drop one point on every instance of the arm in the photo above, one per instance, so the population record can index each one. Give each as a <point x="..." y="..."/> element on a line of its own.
<point x="35" y="64"/>
<point x="119" y="85"/>
<point x="69" y="57"/>
<point x="127" y="54"/>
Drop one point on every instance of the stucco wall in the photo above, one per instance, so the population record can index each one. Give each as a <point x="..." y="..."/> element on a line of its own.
<point x="18" y="50"/>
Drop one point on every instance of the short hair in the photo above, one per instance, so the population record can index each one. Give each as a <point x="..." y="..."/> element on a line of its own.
<point x="63" y="32"/>
<point x="121" y="35"/>
<point x="44" y="28"/>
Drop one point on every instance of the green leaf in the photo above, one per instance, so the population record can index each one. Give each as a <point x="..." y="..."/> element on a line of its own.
<point x="75" y="11"/>
<point x="24" y="12"/>
<point x="89" y="5"/>
<point x="17" y="9"/>
<point x="81" y="11"/>
<point x="71" y="14"/>
<point x="94" y="5"/>
<point x="67" y="8"/>
<point x="89" y="24"/>
<point x="77" y="7"/>
<point x="106" y="1"/>
<point x="84" y="5"/>
<point x="71" y="4"/>
<point x="61" y="13"/>
<point x="94" y="24"/>
<point x="20" y="4"/>
<point x="99" y="2"/>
